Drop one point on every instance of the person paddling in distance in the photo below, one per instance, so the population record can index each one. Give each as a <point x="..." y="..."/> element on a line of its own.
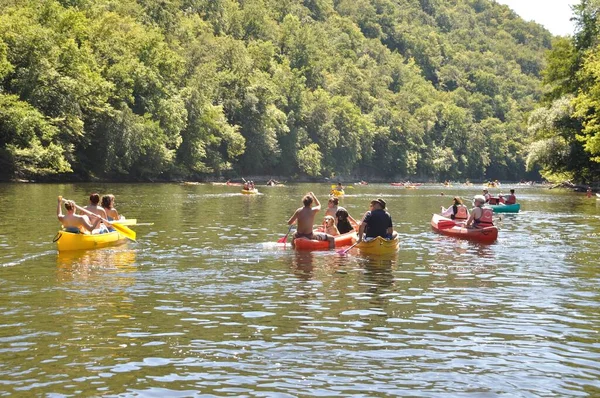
<point x="458" y="211"/>
<point x="305" y="218"/>
<point x="510" y="199"/>
<point x="486" y="195"/>
<point x="72" y="222"/>
<point x="481" y="217"/>
<point x="377" y="222"/>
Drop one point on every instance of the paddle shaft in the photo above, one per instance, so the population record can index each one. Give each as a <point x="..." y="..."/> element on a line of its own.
<point x="348" y="249"/>
<point x="284" y="239"/>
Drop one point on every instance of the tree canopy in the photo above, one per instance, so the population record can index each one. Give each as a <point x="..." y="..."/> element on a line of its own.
<point x="565" y="129"/>
<point x="146" y="89"/>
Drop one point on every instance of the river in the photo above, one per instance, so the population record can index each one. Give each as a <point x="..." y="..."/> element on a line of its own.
<point x="205" y="303"/>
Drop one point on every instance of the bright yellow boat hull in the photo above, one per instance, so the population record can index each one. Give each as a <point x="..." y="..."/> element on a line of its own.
<point x="68" y="241"/>
<point x="379" y="246"/>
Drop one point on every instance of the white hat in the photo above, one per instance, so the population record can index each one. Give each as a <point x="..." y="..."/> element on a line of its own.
<point x="479" y="198"/>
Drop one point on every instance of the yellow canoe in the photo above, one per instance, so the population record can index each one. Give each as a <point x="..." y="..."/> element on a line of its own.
<point x="67" y="241"/>
<point x="379" y="246"/>
<point x="337" y="193"/>
<point x="250" y="191"/>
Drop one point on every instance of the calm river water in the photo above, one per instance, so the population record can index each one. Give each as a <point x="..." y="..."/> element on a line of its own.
<point x="205" y="303"/>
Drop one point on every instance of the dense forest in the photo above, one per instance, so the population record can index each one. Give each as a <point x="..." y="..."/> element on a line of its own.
<point x="566" y="128"/>
<point x="174" y="89"/>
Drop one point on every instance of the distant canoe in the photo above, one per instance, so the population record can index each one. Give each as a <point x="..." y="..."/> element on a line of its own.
<point x="250" y="191"/>
<point x="502" y="208"/>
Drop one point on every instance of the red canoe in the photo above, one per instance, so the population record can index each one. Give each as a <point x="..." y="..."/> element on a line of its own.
<point x="346" y="239"/>
<point x="448" y="227"/>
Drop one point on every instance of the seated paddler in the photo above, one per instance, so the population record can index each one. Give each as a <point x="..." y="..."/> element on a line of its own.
<point x="72" y="222"/>
<point x="305" y="218"/>
<point x="458" y="211"/>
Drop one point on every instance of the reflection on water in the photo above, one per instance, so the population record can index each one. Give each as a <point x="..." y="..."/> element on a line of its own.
<point x="105" y="259"/>
<point x="206" y="303"/>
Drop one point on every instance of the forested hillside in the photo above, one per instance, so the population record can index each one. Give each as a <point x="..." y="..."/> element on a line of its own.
<point x="566" y="128"/>
<point x="148" y="89"/>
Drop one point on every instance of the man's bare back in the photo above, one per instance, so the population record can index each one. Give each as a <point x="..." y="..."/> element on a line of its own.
<point x="305" y="216"/>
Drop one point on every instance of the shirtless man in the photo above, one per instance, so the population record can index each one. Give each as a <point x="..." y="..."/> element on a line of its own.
<point x="94" y="208"/>
<point x="305" y="217"/>
<point x="71" y="221"/>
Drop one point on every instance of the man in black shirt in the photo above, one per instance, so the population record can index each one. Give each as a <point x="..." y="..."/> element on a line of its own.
<point x="377" y="222"/>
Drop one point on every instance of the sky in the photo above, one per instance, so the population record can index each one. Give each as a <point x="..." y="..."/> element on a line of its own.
<point x="555" y="15"/>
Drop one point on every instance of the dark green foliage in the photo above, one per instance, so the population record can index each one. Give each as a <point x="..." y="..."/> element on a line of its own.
<point x="178" y="88"/>
<point x="566" y="131"/>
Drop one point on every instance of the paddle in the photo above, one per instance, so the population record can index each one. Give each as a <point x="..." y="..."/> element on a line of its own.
<point x="344" y="251"/>
<point x="136" y="224"/>
<point x="129" y="234"/>
<point x="284" y="239"/>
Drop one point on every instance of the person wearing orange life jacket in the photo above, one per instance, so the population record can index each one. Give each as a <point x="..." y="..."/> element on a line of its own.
<point x="480" y="217"/>
<point x="510" y="199"/>
<point x="458" y="211"/>
<point x="486" y="195"/>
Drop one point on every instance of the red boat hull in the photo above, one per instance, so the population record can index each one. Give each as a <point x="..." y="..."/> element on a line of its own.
<point x="346" y="239"/>
<point x="448" y="227"/>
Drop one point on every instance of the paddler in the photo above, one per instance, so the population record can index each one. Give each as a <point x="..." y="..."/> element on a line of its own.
<point x="458" y="211"/>
<point x="305" y="218"/>
<point x="480" y="217"/>
<point x="72" y="222"/>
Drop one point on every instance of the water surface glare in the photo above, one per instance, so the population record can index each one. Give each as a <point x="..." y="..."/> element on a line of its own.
<point x="205" y="303"/>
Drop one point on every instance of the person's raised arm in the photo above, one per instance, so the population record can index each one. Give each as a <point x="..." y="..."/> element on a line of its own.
<point x="59" y="209"/>
<point x="317" y="204"/>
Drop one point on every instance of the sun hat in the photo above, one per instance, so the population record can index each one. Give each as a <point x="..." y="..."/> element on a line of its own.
<point x="479" y="198"/>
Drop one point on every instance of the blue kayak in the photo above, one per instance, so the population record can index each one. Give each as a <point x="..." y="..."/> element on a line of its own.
<point x="502" y="208"/>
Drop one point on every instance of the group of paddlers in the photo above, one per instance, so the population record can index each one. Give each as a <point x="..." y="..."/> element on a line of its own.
<point x="376" y="222"/>
<point x="96" y="218"/>
<point x="480" y="216"/>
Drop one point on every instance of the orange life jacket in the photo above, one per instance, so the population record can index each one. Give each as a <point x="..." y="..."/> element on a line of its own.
<point x="486" y="218"/>
<point x="511" y="200"/>
<point x="461" y="212"/>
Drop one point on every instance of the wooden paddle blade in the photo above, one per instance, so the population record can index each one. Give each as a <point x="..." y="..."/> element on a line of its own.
<point x="129" y="234"/>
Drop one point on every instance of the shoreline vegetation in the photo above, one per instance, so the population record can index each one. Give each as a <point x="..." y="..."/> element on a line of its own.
<point x="428" y="90"/>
